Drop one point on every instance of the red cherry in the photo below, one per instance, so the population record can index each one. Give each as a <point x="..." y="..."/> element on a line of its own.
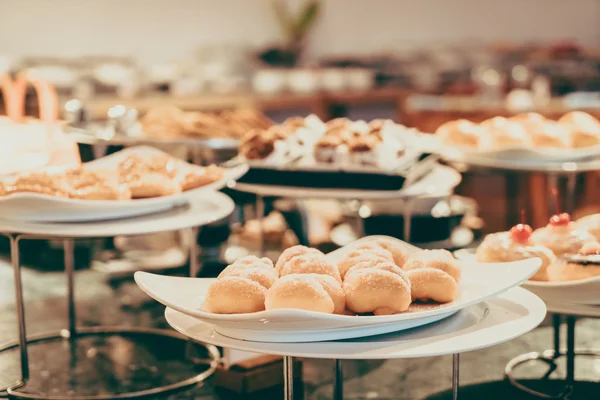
<point x="521" y="233"/>
<point x="560" y="219"/>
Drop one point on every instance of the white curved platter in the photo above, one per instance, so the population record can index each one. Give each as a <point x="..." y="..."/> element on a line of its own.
<point x="441" y="179"/>
<point x="205" y="209"/>
<point x="186" y="295"/>
<point x="580" y="292"/>
<point x="45" y="208"/>
<point x="482" y="325"/>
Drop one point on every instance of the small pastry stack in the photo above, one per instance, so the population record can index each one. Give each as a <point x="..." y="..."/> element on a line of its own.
<point x="137" y="176"/>
<point x="339" y="142"/>
<point x="558" y="241"/>
<point x="530" y="130"/>
<point x="375" y="277"/>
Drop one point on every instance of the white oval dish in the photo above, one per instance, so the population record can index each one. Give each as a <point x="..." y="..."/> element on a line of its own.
<point x="482" y="325"/>
<point x="45" y="208"/>
<point x="479" y="282"/>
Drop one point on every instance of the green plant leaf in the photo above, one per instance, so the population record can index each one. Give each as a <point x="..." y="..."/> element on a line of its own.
<point x="307" y="18"/>
<point x="285" y="22"/>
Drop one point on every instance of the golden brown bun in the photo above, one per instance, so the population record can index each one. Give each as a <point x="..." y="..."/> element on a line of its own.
<point x="355" y="256"/>
<point x="312" y="292"/>
<point x="585" y="129"/>
<point x="292" y="252"/>
<point x="460" y="132"/>
<point x="383" y="289"/>
<point x="437" y="259"/>
<point x="432" y="284"/>
<point x="310" y="263"/>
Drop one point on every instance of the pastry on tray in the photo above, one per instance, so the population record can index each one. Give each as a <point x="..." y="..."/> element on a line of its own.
<point x="515" y="245"/>
<point x="572" y="267"/>
<point x="137" y="176"/>
<point x="380" y="143"/>
<point x="575" y="129"/>
<point x="562" y="236"/>
<point x="366" y="280"/>
<point x="590" y="223"/>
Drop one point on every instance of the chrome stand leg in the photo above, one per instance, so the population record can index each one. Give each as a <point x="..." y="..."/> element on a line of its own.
<point x="194" y="267"/>
<point x="260" y="215"/>
<point x="455" y="375"/>
<point x="570" y="200"/>
<point x="288" y="378"/>
<point x="14" y="257"/>
<point x="570" y="376"/>
<point x="338" y="383"/>
<point x="69" y="249"/>
<point x="556" y="322"/>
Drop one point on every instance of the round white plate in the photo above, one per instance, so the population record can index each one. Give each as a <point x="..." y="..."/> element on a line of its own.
<point x="533" y="155"/>
<point x="441" y="179"/>
<point x="485" y="324"/>
<point x="479" y="282"/>
<point x="205" y="209"/>
<point x="44" y="208"/>
<point x="578" y="310"/>
<point x="583" y="291"/>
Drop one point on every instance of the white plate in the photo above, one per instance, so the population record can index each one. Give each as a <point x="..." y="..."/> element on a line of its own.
<point x="440" y="179"/>
<point x="479" y="282"/>
<point x="578" y="310"/>
<point x="583" y="291"/>
<point x="482" y="325"/>
<point x="45" y="208"/>
<point x="530" y="155"/>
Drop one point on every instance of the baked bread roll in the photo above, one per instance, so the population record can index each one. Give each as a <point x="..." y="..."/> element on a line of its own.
<point x="382" y="289"/>
<point x="398" y="253"/>
<point x="561" y="236"/>
<point x="365" y="252"/>
<point x="292" y="252"/>
<point x="585" y="129"/>
<point x="515" y="245"/>
<point x="241" y="287"/>
<point x="584" y="264"/>
<point x="312" y="292"/>
<point x="460" y="132"/>
<point x="501" y="133"/>
<point x="310" y="263"/>
<point x="590" y="223"/>
<point x="434" y="275"/>
<point x="551" y="134"/>
<point x="437" y="259"/>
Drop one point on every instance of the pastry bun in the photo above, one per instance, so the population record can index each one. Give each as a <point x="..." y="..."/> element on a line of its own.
<point x="460" y="132"/>
<point x="399" y="256"/>
<point x="383" y="289"/>
<point x="310" y="264"/>
<point x="585" y="129"/>
<point x="434" y="275"/>
<point x="241" y="287"/>
<point x="312" y="292"/>
<point x="590" y="223"/>
<point x="585" y="264"/>
<point x="365" y="252"/>
<point x="292" y="252"/>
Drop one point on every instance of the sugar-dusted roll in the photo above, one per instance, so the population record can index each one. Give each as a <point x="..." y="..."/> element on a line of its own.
<point x="562" y="236"/>
<point x="515" y="245"/>
<point x="585" y="129"/>
<point x="460" y="132"/>
<point x="501" y="133"/>
<point x="399" y="255"/>
<point x="292" y="252"/>
<point x="584" y="264"/>
<point x="310" y="263"/>
<point x="433" y="275"/>
<point x="551" y="134"/>
<point x="382" y="289"/>
<point x="241" y="287"/>
<point x="313" y="292"/>
<point x="590" y="223"/>
<point x="365" y="252"/>
<point x="437" y="259"/>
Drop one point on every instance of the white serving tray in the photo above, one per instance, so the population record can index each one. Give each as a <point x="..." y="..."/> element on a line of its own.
<point x="186" y="295"/>
<point x="494" y="321"/>
<point x="526" y="155"/>
<point x="45" y="208"/>
<point x="579" y="292"/>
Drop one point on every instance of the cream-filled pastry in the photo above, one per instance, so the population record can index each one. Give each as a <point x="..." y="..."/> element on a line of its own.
<point x="590" y="223"/>
<point x="585" y="129"/>
<point x="515" y="245"/>
<point x="312" y="292"/>
<point x="382" y="289"/>
<point x="460" y="132"/>
<point x="562" y="236"/>
<point x="572" y="267"/>
<point x="362" y="150"/>
<point x="326" y="149"/>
